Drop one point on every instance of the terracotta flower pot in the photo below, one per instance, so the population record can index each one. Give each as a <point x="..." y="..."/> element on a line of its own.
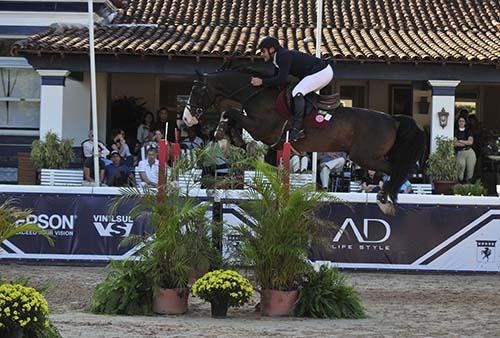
<point x="278" y="303"/>
<point x="170" y="301"/>
<point x="444" y="187"/>
<point x="219" y="309"/>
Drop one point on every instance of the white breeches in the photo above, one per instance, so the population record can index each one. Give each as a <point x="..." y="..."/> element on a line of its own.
<point x="335" y="165"/>
<point x="314" y="82"/>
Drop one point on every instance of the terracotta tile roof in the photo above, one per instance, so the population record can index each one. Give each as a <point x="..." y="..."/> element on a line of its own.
<point x="420" y="30"/>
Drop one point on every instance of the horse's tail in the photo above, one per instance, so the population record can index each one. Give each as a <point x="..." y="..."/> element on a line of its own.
<point x="404" y="154"/>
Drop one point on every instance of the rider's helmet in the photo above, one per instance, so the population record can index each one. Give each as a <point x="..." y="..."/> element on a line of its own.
<point x="268" y="42"/>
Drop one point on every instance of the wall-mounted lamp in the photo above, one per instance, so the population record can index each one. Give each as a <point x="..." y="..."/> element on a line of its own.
<point x="443" y="118"/>
<point x="423" y="105"/>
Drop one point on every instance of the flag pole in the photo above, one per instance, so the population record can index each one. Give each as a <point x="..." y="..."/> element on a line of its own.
<point x="93" y="97"/>
<point x="319" y="29"/>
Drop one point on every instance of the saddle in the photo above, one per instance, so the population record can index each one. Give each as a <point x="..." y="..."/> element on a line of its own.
<point x="314" y="102"/>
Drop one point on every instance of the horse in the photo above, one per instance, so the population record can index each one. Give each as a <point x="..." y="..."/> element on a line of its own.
<point x="374" y="140"/>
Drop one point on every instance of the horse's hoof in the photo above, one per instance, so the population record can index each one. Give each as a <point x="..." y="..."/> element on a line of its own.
<point x="387" y="208"/>
<point x="382" y="198"/>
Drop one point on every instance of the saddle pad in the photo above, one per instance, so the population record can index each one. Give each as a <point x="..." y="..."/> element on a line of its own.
<point x="311" y="120"/>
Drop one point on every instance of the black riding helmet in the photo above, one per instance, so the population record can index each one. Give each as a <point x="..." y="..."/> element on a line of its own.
<point x="268" y="42"/>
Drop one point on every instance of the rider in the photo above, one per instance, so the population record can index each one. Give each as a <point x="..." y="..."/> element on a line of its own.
<point x="314" y="74"/>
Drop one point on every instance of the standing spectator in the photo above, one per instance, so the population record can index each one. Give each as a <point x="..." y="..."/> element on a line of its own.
<point x="371" y="181"/>
<point x="149" y="167"/>
<point x="145" y="127"/>
<point x="192" y="141"/>
<point x="329" y="162"/>
<point x="162" y="119"/>
<point x="88" y="146"/>
<point x="466" y="157"/>
<point x="88" y="171"/>
<point x="299" y="163"/>
<point x="117" y="173"/>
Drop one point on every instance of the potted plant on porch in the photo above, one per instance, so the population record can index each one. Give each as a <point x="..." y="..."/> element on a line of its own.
<point x="442" y="166"/>
<point x="50" y="156"/>
<point x="276" y="245"/>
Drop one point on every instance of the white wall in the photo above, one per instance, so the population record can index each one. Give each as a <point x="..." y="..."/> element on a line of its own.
<point x="77" y="114"/>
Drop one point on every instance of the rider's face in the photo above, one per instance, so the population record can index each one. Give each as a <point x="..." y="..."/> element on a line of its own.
<point x="267" y="54"/>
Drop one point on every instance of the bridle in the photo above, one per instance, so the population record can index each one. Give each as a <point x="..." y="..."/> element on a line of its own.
<point x="205" y="92"/>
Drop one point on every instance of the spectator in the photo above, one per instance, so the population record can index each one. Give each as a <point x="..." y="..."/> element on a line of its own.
<point x="299" y="163"/>
<point x="192" y="141"/>
<point x="405" y="188"/>
<point x="162" y="118"/>
<point x="371" y="181"/>
<point x="149" y="167"/>
<point x="88" y="146"/>
<point x="120" y="144"/>
<point x="117" y="173"/>
<point x="329" y="162"/>
<point x="145" y="127"/>
<point x="88" y="171"/>
<point x="466" y="157"/>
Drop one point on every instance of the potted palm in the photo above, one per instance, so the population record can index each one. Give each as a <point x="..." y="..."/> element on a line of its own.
<point x="277" y="243"/>
<point x="51" y="156"/>
<point x="180" y="245"/>
<point x="442" y="166"/>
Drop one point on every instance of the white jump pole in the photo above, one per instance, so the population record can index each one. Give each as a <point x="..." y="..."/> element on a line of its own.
<point x="93" y="92"/>
<point x="319" y="29"/>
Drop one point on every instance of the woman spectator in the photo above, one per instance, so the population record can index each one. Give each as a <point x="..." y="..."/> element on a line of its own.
<point x="145" y="127"/>
<point x="466" y="157"/>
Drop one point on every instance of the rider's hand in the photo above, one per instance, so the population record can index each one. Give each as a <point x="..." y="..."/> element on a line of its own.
<point x="256" y="81"/>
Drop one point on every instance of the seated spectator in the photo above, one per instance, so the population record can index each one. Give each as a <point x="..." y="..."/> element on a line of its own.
<point x="117" y="173"/>
<point x="329" y="162"/>
<point x="371" y="181"/>
<point x="149" y="167"/>
<point x="120" y="144"/>
<point x="145" y="127"/>
<point x="299" y="163"/>
<point x="192" y="141"/>
<point x="88" y="146"/>
<point x="88" y="171"/>
<point x="405" y="188"/>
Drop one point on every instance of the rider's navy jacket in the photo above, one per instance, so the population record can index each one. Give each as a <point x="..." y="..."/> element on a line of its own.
<point x="292" y="62"/>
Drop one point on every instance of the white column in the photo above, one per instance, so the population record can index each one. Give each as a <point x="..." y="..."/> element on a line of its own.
<point x="443" y="100"/>
<point x="52" y="101"/>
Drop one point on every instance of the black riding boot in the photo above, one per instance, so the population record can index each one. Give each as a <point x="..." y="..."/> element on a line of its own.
<point x="298" y="115"/>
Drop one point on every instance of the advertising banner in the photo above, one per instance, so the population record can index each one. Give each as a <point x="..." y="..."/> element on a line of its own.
<point x="81" y="226"/>
<point x="419" y="237"/>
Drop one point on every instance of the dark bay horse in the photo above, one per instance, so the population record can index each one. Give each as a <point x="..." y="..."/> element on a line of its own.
<point x="374" y="140"/>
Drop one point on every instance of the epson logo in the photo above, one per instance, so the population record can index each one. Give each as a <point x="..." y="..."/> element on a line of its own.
<point x="365" y="236"/>
<point x="109" y="226"/>
<point x="54" y="221"/>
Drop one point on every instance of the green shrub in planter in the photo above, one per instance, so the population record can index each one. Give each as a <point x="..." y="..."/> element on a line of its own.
<point x="325" y="294"/>
<point x="442" y="164"/>
<point x="475" y="189"/>
<point x="52" y="153"/>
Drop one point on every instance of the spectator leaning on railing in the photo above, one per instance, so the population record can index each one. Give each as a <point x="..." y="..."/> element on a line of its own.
<point x="117" y="173"/>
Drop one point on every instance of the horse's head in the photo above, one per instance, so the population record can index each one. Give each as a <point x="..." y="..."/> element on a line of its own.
<point x="200" y="99"/>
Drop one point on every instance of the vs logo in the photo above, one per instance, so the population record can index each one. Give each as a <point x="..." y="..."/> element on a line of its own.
<point x="109" y="226"/>
<point x="364" y="237"/>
